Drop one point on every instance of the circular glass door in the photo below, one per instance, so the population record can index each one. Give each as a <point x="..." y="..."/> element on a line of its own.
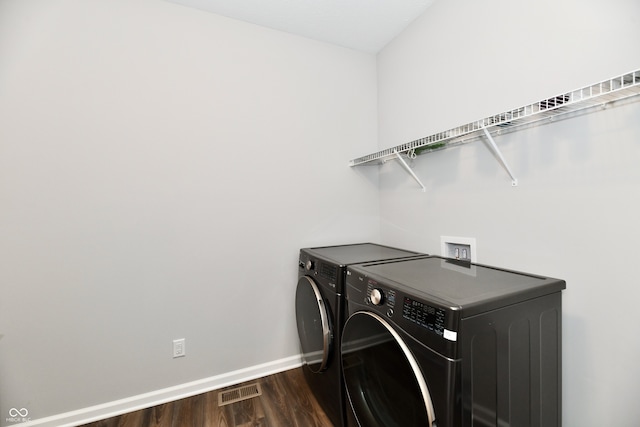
<point x="384" y="382"/>
<point x="314" y="325"/>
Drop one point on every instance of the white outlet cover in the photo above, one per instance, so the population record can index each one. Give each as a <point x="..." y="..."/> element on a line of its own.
<point x="179" y="348"/>
<point x="471" y="241"/>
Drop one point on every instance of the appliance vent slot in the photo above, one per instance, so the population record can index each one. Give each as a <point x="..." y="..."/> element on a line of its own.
<point x="238" y="394"/>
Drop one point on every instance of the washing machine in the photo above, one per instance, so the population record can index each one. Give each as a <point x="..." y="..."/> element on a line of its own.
<point x="320" y="315"/>
<point x="433" y="341"/>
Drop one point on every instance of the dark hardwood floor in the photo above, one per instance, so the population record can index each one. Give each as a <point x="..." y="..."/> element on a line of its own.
<point x="286" y="400"/>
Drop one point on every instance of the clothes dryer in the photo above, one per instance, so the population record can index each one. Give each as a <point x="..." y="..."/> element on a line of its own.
<point x="438" y="342"/>
<point x="320" y="315"/>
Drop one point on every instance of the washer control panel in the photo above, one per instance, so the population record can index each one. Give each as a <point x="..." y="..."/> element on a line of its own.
<point x="417" y="312"/>
<point x="379" y="297"/>
<point x="424" y="315"/>
<point x="424" y="318"/>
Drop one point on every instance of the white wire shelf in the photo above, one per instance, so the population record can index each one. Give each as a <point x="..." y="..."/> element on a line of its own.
<point x="602" y="93"/>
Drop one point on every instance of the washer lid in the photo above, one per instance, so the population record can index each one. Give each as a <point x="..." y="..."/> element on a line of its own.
<point x="459" y="285"/>
<point x="358" y="253"/>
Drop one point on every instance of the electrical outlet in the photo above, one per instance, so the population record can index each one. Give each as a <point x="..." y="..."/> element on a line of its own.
<point x="179" y="348"/>
<point x="459" y="251"/>
<point x="462" y="248"/>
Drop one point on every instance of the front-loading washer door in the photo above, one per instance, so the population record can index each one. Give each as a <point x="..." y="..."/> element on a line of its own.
<point x="384" y="383"/>
<point x="314" y="324"/>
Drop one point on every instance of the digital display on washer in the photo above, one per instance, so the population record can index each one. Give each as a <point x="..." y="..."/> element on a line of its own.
<point x="424" y="315"/>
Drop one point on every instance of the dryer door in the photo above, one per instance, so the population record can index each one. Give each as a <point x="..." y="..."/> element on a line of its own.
<point x="314" y="324"/>
<point x="385" y="385"/>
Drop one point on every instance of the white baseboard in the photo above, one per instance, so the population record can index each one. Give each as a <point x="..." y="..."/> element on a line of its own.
<point x="169" y="394"/>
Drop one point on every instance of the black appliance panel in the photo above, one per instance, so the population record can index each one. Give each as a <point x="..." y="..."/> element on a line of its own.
<point x="387" y="372"/>
<point x="320" y="315"/>
<point x="358" y="253"/>
<point x="470" y="288"/>
<point x="495" y="332"/>
<point x="433" y="324"/>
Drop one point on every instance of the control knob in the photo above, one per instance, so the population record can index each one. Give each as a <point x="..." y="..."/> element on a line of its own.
<point x="377" y="297"/>
<point x="309" y="265"/>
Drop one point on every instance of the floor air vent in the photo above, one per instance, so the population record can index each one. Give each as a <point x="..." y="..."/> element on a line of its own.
<point x="240" y="393"/>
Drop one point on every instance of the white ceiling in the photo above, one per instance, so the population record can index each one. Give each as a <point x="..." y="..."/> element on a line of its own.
<point x="365" y="25"/>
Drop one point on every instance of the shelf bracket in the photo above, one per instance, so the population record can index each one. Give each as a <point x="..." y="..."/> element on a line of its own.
<point x="498" y="153"/>
<point x="408" y="169"/>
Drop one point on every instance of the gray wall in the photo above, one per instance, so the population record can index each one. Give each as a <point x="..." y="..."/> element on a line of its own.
<point x="160" y="167"/>
<point x="574" y="214"/>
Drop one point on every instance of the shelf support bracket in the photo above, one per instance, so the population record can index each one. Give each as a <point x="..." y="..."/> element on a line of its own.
<point x="408" y="169"/>
<point x="498" y="153"/>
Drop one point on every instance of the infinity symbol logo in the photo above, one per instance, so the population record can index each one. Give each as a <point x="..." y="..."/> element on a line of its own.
<point x="13" y="412"/>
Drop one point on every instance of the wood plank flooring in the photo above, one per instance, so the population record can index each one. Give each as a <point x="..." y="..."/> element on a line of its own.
<point x="286" y="401"/>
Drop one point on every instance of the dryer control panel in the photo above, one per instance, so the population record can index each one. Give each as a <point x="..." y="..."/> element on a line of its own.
<point x="326" y="274"/>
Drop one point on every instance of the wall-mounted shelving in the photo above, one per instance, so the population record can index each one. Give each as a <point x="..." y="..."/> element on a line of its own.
<point x="602" y="93"/>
